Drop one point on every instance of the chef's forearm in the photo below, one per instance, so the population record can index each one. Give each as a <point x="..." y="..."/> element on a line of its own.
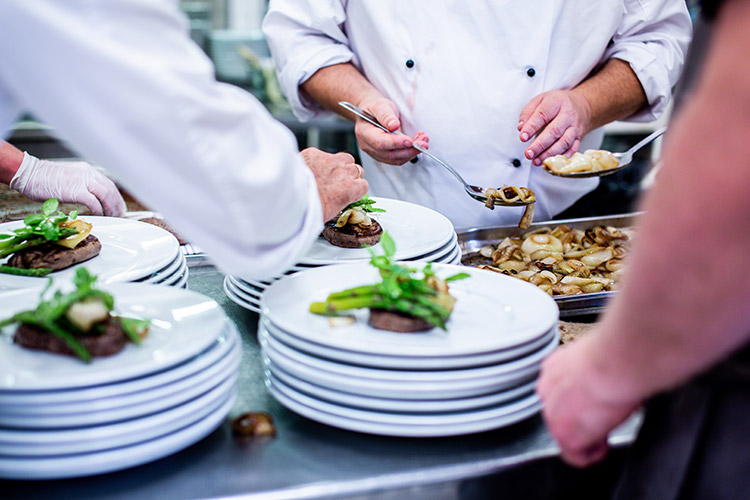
<point x="683" y="304"/>
<point x="340" y="82"/>
<point x="10" y="159"/>
<point x="613" y="93"/>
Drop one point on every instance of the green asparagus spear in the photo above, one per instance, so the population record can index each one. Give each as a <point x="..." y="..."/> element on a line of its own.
<point x="36" y="273"/>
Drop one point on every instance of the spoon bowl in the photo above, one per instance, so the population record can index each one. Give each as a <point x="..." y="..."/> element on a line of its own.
<point x="475" y="192"/>
<point x="624" y="160"/>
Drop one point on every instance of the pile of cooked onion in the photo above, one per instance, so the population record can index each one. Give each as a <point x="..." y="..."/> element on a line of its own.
<point x="562" y="261"/>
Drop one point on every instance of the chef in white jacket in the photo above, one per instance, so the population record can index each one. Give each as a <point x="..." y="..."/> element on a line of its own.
<point x="493" y="87"/>
<point x="122" y="81"/>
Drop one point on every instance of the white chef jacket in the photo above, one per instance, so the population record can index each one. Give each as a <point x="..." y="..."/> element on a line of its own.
<point x="122" y="81"/>
<point x="462" y="71"/>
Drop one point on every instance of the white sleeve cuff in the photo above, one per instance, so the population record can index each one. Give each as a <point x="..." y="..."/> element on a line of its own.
<point x="301" y="67"/>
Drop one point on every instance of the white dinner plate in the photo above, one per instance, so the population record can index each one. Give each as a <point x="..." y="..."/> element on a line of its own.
<point x="249" y="288"/>
<point x="183" y="324"/>
<point x="399" y="377"/>
<point x="400" y="405"/>
<point x="400" y="430"/>
<point x="439" y="254"/>
<point x="381" y="417"/>
<point x="167" y="270"/>
<point x="41" y="443"/>
<point x="134" y="390"/>
<point x="234" y="297"/>
<point x="420" y="390"/>
<point x="130" y="250"/>
<point x="245" y="291"/>
<point x="89" y="464"/>
<point x="492" y="312"/>
<point x="452" y="258"/>
<point x="405" y="362"/>
<point x="52" y="420"/>
<point x="182" y="282"/>
<point x="118" y="407"/>
<point x="173" y="280"/>
<point x="174" y="268"/>
<point x="416" y="230"/>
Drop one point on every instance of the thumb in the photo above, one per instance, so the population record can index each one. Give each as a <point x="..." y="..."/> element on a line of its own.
<point x="385" y="111"/>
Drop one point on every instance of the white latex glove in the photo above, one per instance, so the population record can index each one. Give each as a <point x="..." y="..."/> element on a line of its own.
<point x="69" y="182"/>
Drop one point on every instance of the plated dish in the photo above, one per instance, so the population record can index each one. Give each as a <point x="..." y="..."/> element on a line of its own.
<point x="130" y="250"/>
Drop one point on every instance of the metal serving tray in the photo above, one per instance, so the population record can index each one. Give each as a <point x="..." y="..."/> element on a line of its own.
<point x="472" y="240"/>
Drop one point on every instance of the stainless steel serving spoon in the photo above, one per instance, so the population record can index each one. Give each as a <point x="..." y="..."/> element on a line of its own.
<point x="623" y="158"/>
<point x="475" y="192"/>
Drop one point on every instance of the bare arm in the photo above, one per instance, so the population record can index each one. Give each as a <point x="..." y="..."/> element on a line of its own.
<point x="683" y="305"/>
<point x="344" y="82"/>
<point x="340" y="82"/>
<point x="10" y="160"/>
<point x="612" y="93"/>
<point x="562" y="118"/>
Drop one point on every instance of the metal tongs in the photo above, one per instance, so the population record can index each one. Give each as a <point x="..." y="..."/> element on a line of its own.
<point x="475" y="192"/>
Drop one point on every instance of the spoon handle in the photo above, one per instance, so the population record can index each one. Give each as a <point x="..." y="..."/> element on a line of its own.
<point x="373" y="121"/>
<point x="647" y="139"/>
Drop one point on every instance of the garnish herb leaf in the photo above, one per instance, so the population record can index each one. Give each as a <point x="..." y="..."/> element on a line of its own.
<point x="38" y="229"/>
<point x="49" y="207"/>
<point x="456" y="277"/>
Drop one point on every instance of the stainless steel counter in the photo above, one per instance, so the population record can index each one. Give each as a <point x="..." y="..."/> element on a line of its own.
<point x="311" y="460"/>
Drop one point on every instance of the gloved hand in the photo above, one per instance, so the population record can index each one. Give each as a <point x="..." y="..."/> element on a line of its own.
<point x="69" y="182"/>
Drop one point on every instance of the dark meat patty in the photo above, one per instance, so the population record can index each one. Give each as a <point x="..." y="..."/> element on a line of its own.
<point x="352" y="235"/>
<point x="56" y="257"/>
<point x="160" y="223"/>
<point x="397" y="322"/>
<point x="106" y="344"/>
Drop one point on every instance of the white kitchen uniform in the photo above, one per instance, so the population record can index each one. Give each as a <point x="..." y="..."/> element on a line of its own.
<point x="462" y="71"/>
<point x="124" y="84"/>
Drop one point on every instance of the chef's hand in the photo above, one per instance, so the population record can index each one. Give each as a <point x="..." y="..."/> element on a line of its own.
<point x="560" y="117"/>
<point x="386" y="148"/>
<point x="69" y="182"/>
<point x="340" y="180"/>
<point x="579" y="408"/>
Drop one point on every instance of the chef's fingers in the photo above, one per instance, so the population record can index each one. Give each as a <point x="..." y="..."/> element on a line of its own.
<point x="91" y="201"/>
<point x="557" y="137"/>
<point x="563" y="143"/>
<point x="584" y="457"/>
<point x="108" y="195"/>
<point x="344" y="157"/>
<point x="528" y="111"/>
<point x="573" y="149"/>
<point x="384" y="112"/>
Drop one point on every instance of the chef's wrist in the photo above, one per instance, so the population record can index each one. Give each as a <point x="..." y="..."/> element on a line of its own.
<point x="23" y="173"/>
<point x="11" y="159"/>
<point x="613" y="379"/>
<point x="585" y="109"/>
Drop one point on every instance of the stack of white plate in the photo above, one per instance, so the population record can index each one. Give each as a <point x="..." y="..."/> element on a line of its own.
<point x="421" y="235"/>
<point x="131" y="251"/>
<point x="477" y="375"/>
<point x="61" y="417"/>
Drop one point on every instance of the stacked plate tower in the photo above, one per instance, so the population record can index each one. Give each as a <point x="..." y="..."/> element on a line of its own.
<point x="131" y="251"/>
<point x="476" y="375"/>
<point x="61" y="417"/>
<point x="420" y="234"/>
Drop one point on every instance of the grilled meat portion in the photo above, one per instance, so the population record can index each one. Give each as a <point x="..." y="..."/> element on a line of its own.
<point x="352" y="235"/>
<point x="110" y="342"/>
<point x="56" y="257"/>
<point x="397" y="322"/>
